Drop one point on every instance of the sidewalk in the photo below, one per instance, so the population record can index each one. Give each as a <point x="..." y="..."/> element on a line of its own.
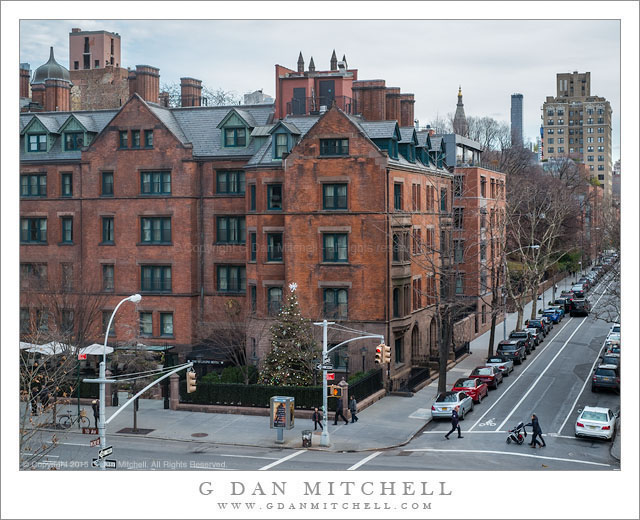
<point x="389" y="422"/>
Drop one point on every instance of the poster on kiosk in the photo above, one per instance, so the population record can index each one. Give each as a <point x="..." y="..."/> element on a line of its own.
<point x="282" y="412"/>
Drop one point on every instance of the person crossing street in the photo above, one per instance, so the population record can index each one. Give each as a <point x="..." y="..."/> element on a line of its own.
<point x="339" y="412"/>
<point x="537" y="432"/>
<point x="454" y="424"/>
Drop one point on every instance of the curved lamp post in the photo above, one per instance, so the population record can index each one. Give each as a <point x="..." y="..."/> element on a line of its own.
<point x="134" y="298"/>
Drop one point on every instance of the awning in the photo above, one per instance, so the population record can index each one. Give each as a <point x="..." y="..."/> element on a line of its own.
<point x="95" y="349"/>
<point x="48" y="349"/>
<point x="147" y="348"/>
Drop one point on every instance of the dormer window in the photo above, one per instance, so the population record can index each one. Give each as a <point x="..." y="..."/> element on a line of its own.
<point x="235" y="137"/>
<point x="73" y="140"/>
<point x="281" y="145"/>
<point x="37" y="142"/>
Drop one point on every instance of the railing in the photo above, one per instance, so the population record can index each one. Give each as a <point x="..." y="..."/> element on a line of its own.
<point x="462" y="350"/>
<point x="366" y="386"/>
<point x="312" y="105"/>
<point x="418" y="377"/>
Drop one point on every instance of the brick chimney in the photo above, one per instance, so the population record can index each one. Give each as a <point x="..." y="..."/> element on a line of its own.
<point x="25" y="76"/>
<point x="370" y="98"/>
<point x="163" y="99"/>
<point x="57" y="95"/>
<point x="393" y="103"/>
<point x="190" y="92"/>
<point x="406" y="109"/>
<point x="145" y="80"/>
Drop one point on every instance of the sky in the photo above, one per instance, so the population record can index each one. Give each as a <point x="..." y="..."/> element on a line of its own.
<point x="489" y="59"/>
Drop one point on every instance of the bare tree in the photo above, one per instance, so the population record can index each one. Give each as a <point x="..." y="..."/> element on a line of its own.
<point x="225" y="333"/>
<point x="210" y="97"/>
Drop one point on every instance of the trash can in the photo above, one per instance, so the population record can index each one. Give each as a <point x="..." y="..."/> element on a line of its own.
<point x="306" y="438"/>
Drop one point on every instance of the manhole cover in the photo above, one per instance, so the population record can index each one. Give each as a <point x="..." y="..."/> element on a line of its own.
<point x="199" y="434"/>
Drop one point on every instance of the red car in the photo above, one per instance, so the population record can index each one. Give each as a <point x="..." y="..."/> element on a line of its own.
<point x="474" y="388"/>
<point x="490" y="375"/>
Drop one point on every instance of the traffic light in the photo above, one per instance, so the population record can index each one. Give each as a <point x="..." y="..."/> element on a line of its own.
<point x="386" y="351"/>
<point x="379" y="354"/>
<point x="335" y="391"/>
<point x="191" y="381"/>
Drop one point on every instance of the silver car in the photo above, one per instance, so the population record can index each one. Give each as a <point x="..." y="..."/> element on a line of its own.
<point x="536" y="335"/>
<point x="505" y="365"/>
<point x="447" y="401"/>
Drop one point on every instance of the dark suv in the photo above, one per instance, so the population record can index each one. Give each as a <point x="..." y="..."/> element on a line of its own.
<point x="580" y="308"/>
<point x="524" y="336"/>
<point x="606" y="376"/>
<point x="512" y="349"/>
<point x="538" y="324"/>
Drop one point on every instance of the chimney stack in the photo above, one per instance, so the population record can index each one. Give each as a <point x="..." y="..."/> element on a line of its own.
<point x="393" y="103"/>
<point x="145" y="80"/>
<point x="407" y="102"/>
<point x="25" y="77"/>
<point x="370" y="100"/>
<point x="190" y="92"/>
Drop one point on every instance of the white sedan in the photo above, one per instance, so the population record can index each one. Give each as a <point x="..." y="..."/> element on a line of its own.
<point x="596" y="422"/>
<point x="447" y="401"/>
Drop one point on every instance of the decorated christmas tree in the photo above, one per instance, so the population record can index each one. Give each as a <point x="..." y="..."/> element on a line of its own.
<point x="290" y="360"/>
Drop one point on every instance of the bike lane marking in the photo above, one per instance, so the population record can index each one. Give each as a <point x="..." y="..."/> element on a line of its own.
<point x="495" y="452"/>
<point x="582" y="389"/>
<point x="364" y="461"/>
<point x="280" y="461"/>
<point x="520" y="375"/>
<point x="537" y="380"/>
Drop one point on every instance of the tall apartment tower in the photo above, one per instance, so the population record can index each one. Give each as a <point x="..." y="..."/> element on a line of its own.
<point x="577" y="124"/>
<point x="93" y="49"/>
<point x="516" y="120"/>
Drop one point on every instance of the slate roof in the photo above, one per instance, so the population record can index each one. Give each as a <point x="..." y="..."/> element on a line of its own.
<point x="406" y="134"/>
<point x="378" y="129"/>
<point x="422" y="137"/>
<point x="436" y="142"/>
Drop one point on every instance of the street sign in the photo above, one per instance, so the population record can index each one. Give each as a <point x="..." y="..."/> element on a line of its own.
<point x="94" y="442"/>
<point x="327" y="367"/>
<point x="318" y="366"/>
<point x="90" y="431"/>
<point x="331" y="377"/>
<point x="107" y="451"/>
<point x="82" y="357"/>
<point x="110" y="464"/>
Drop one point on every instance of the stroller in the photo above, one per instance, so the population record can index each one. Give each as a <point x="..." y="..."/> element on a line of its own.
<point x="517" y="434"/>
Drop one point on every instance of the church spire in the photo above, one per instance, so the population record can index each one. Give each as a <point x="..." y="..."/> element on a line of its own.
<point x="460" y="125"/>
<point x="334" y="61"/>
<point x="300" y="63"/>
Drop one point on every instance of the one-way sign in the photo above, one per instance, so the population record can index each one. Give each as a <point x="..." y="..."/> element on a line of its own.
<point x="107" y="451"/>
<point x="111" y="464"/>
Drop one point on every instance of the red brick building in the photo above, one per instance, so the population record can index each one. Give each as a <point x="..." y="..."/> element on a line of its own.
<point x="196" y="207"/>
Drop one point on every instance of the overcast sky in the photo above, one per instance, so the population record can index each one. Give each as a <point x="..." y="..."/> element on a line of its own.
<point x="491" y="59"/>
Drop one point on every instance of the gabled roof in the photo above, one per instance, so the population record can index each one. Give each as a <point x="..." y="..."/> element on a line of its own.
<point x="51" y="122"/>
<point x="289" y="126"/>
<point x="88" y="122"/>
<point x="245" y="115"/>
<point x="380" y="129"/>
<point x="436" y="143"/>
<point x="423" y="138"/>
<point x="408" y="135"/>
<point x="166" y="116"/>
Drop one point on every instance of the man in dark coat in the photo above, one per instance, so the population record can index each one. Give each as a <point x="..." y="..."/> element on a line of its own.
<point x="317" y="419"/>
<point x="537" y="432"/>
<point x="454" y="424"/>
<point x="96" y="411"/>
<point x="339" y="412"/>
<point x="353" y="408"/>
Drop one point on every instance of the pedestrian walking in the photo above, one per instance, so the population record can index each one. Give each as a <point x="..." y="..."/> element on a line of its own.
<point x="537" y="432"/>
<point x="317" y="419"/>
<point x="34" y="401"/>
<point x="96" y="411"/>
<point x="339" y="412"/>
<point x="44" y="398"/>
<point x="454" y="424"/>
<point x="353" y="408"/>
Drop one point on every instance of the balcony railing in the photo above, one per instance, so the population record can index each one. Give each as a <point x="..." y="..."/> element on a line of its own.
<point x="314" y="105"/>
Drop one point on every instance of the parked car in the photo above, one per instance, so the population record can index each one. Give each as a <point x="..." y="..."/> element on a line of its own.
<point x="492" y="376"/>
<point x="504" y="364"/>
<point x="606" y="376"/>
<point x="586" y="283"/>
<point x="559" y="308"/>
<point x="474" y="388"/>
<point x="552" y="314"/>
<point x="596" y="422"/>
<point x="536" y="335"/>
<point x="613" y="336"/>
<point x="564" y="302"/>
<point x="524" y="336"/>
<point x="539" y="324"/>
<point x="580" y="308"/>
<point x="548" y="321"/>
<point x="513" y="349"/>
<point x="613" y="348"/>
<point x="615" y="328"/>
<point x="578" y="292"/>
<point x="446" y="401"/>
<point x="609" y="358"/>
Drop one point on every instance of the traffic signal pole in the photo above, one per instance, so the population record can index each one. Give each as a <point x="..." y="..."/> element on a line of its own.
<point x="325" y="439"/>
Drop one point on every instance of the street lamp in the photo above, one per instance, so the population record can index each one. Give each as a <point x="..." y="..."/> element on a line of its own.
<point x="504" y="321"/>
<point x="134" y="298"/>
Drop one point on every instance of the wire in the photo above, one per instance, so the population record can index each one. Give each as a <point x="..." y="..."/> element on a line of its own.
<point x="342" y="328"/>
<point x="156" y="370"/>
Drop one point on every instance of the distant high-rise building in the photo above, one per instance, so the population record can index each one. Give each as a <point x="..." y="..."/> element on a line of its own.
<point x="516" y="120"/>
<point x="578" y="125"/>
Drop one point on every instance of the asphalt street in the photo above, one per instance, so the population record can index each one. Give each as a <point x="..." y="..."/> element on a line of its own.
<point x="554" y="383"/>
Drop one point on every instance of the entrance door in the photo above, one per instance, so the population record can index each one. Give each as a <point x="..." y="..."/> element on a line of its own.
<point x="327" y="92"/>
